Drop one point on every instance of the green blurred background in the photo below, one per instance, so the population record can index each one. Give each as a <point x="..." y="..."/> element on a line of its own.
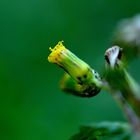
<point x="32" y="105"/>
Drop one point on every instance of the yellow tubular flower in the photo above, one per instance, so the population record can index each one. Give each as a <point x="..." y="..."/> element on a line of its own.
<point x="81" y="77"/>
<point x="78" y="69"/>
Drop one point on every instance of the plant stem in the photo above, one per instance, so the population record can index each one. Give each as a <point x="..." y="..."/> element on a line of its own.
<point x="128" y="111"/>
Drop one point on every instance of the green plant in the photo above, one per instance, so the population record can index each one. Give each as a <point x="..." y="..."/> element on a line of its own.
<point x="82" y="80"/>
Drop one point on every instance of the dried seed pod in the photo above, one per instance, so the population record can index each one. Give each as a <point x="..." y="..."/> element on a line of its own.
<point x="113" y="56"/>
<point x="127" y="36"/>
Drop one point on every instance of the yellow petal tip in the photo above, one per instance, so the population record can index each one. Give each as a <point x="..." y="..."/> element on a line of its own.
<point x="56" y="52"/>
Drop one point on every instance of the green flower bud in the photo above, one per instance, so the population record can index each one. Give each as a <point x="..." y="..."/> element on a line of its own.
<point x="69" y="85"/>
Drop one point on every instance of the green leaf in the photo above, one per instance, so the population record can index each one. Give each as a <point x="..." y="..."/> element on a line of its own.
<point x="104" y="131"/>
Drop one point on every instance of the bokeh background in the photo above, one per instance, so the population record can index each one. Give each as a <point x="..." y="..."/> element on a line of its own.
<point x="32" y="107"/>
